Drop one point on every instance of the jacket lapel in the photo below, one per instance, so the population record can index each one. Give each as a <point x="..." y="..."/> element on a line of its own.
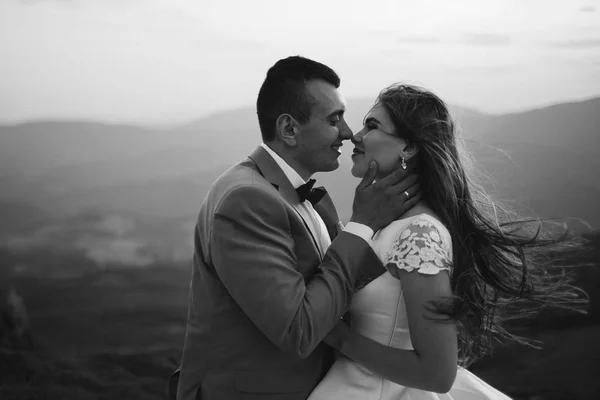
<point x="326" y="209"/>
<point x="269" y="168"/>
<point x="367" y="273"/>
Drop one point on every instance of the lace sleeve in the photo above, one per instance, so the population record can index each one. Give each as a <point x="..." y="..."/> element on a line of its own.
<point x="419" y="246"/>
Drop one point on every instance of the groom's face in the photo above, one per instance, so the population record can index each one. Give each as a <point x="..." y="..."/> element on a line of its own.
<point x="320" y="138"/>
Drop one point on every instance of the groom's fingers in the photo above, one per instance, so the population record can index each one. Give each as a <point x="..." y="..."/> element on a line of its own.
<point x="369" y="176"/>
<point x="410" y="203"/>
<point x="409" y="191"/>
<point x="396" y="176"/>
<point x="408" y="197"/>
<point x="398" y="187"/>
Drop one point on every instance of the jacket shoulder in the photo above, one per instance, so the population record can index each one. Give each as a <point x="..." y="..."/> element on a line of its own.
<point x="242" y="182"/>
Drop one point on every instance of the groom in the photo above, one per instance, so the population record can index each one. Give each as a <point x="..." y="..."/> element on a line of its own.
<point x="273" y="269"/>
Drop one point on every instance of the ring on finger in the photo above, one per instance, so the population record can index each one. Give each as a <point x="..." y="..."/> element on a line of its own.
<point x="406" y="193"/>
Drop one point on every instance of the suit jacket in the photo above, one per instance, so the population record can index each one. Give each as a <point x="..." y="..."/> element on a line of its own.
<point x="261" y="299"/>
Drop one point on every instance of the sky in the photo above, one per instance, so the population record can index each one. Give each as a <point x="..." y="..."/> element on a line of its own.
<point x="170" y="61"/>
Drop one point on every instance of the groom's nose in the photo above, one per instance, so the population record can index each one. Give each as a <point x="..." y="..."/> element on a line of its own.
<point x="345" y="131"/>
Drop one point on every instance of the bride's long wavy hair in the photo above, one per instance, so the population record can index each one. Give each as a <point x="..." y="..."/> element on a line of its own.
<point x="501" y="264"/>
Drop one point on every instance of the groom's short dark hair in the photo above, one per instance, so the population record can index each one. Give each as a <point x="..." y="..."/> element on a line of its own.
<point x="284" y="91"/>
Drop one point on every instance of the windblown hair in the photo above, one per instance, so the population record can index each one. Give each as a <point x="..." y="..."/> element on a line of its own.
<point x="503" y="267"/>
<point x="284" y="91"/>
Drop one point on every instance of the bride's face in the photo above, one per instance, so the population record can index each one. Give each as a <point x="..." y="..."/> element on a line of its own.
<point x="377" y="141"/>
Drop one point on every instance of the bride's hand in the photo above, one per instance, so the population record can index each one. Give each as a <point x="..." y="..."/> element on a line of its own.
<point x="338" y="335"/>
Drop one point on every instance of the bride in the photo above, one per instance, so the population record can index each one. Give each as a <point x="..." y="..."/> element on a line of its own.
<point x="451" y="266"/>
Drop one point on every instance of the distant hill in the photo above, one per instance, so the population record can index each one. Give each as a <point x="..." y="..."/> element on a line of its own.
<point x="34" y="147"/>
<point x="542" y="161"/>
<point x="17" y="216"/>
<point x="554" y="158"/>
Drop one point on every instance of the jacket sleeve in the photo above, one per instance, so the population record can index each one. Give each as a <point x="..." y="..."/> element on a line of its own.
<point x="252" y="251"/>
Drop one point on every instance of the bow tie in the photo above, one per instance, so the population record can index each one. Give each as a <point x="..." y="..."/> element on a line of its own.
<point x="306" y="192"/>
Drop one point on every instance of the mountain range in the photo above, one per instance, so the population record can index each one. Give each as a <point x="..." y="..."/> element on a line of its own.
<point x="123" y="193"/>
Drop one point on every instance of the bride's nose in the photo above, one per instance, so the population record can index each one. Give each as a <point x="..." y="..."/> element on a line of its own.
<point x="357" y="138"/>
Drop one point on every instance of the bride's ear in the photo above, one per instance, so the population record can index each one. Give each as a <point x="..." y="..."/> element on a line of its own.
<point x="410" y="151"/>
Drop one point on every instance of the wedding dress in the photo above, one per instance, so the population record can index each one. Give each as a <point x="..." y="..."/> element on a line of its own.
<point x="378" y="312"/>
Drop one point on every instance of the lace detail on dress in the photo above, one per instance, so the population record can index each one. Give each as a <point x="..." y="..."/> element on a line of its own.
<point x="419" y="246"/>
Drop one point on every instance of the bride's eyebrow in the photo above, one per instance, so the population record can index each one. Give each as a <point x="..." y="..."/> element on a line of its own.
<point x="371" y="119"/>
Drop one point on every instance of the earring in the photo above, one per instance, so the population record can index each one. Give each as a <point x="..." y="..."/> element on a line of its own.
<point x="403" y="162"/>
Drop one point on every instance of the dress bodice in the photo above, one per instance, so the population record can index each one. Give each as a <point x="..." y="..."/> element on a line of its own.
<point x="378" y="312"/>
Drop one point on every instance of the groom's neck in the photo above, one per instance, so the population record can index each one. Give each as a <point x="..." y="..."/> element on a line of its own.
<point x="289" y="157"/>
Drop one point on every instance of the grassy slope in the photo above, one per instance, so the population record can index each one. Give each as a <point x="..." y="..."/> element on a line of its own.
<point x="106" y="336"/>
<point x="118" y="334"/>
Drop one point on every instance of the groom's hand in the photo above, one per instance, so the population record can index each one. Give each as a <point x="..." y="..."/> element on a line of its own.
<point x="378" y="204"/>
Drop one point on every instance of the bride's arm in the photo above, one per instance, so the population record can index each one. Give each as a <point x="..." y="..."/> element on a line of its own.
<point x="432" y="365"/>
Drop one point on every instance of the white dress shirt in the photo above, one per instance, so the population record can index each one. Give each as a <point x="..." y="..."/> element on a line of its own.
<point x="317" y="226"/>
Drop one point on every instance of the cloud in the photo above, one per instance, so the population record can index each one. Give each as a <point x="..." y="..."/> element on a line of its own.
<point x="83" y="3"/>
<point x="487" y="39"/>
<point x="578" y="44"/>
<point x="472" y="39"/>
<point x="581" y="60"/>
<point x="488" y="70"/>
<point x="48" y="1"/>
<point x="419" y="39"/>
<point x="587" y="9"/>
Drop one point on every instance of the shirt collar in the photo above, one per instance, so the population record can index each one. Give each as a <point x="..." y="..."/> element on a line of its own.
<point x="289" y="172"/>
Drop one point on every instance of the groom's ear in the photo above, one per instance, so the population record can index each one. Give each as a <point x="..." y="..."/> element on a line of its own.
<point x="286" y="129"/>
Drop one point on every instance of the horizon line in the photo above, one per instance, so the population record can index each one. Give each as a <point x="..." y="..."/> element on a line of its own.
<point x="158" y="125"/>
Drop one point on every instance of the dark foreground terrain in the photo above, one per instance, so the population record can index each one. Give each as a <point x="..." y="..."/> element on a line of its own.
<point x="117" y="334"/>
